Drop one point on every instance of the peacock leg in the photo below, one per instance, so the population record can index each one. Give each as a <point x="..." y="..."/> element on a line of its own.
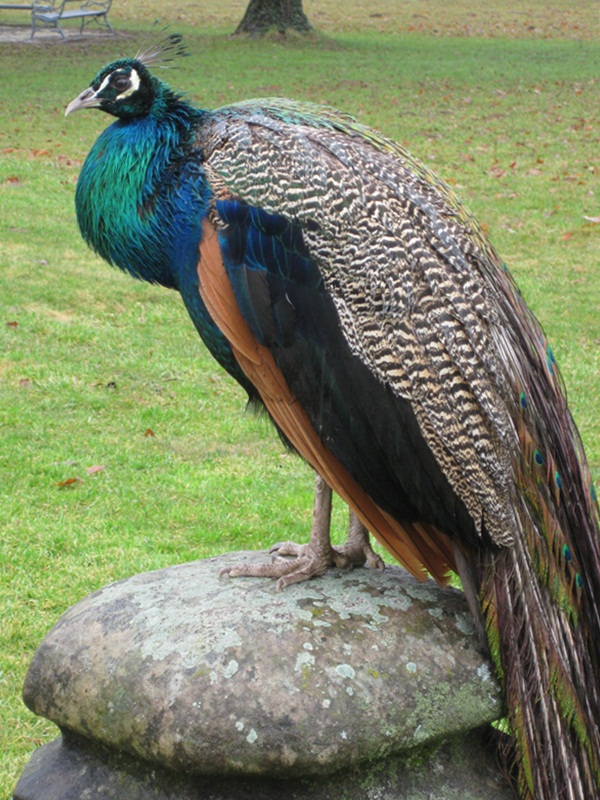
<point x="355" y="552"/>
<point x="318" y="555"/>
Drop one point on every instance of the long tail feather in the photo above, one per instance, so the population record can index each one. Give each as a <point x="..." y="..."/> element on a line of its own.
<point x="544" y="654"/>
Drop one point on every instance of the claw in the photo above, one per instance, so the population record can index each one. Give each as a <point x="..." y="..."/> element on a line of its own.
<point x="288" y="549"/>
<point x="287" y="571"/>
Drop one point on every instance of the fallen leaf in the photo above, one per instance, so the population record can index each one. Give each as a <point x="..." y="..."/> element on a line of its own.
<point x="12" y="324"/>
<point x="149" y="432"/>
<point x="69" y="482"/>
<point x="96" y="468"/>
<point x="567" y="236"/>
<point x="25" y="383"/>
<point x="69" y="162"/>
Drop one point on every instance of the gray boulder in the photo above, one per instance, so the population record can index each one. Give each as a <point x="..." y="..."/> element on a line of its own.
<point x="214" y="682"/>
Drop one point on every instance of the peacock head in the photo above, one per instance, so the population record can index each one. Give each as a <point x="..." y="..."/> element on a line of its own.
<point x="126" y="88"/>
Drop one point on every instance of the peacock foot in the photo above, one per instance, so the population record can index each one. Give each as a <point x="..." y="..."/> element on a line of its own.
<point x="359" y="553"/>
<point x="315" y="558"/>
<point x="308" y="562"/>
<point x="355" y="552"/>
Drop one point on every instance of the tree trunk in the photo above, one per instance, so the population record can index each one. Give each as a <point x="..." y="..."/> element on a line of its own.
<point x="264" y="15"/>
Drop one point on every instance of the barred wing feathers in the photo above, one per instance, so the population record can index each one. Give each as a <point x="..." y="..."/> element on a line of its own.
<point x="405" y="267"/>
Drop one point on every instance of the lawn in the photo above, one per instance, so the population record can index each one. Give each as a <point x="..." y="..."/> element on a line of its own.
<point x="123" y="447"/>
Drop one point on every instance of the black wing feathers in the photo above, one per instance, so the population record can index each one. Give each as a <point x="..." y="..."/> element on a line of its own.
<point x="282" y="297"/>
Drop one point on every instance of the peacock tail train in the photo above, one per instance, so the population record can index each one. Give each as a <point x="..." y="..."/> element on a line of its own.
<point x="345" y="286"/>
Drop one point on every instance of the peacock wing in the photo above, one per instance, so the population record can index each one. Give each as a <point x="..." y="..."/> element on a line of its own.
<point x="395" y="265"/>
<point x="393" y="321"/>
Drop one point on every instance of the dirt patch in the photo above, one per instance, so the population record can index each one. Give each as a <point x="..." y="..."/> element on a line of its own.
<point x="21" y="34"/>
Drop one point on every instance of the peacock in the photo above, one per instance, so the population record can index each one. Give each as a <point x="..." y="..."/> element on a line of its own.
<point x="345" y="287"/>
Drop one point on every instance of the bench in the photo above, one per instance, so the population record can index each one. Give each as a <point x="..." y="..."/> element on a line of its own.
<point x="50" y="13"/>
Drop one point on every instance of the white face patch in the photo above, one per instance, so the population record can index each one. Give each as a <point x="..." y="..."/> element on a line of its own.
<point x="135" y="85"/>
<point x="103" y="85"/>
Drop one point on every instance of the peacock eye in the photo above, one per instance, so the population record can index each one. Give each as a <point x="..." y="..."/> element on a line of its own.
<point x="121" y="83"/>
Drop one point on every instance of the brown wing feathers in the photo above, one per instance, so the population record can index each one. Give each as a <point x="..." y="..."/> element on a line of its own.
<point x="416" y="546"/>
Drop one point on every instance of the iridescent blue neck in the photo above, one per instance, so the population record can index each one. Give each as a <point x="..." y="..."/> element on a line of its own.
<point x="140" y="200"/>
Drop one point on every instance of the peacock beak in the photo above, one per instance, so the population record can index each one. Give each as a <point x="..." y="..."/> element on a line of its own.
<point x="87" y="99"/>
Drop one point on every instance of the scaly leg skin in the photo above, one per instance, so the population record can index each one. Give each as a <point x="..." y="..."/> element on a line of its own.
<point x="356" y="552"/>
<point x="318" y="555"/>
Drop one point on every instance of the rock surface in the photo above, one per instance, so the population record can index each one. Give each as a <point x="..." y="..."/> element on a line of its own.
<point x="351" y="681"/>
<point x="74" y="769"/>
<point x="209" y="674"/>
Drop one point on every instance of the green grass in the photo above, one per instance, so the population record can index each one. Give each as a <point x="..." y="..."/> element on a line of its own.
<point x="90" y="360"/>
